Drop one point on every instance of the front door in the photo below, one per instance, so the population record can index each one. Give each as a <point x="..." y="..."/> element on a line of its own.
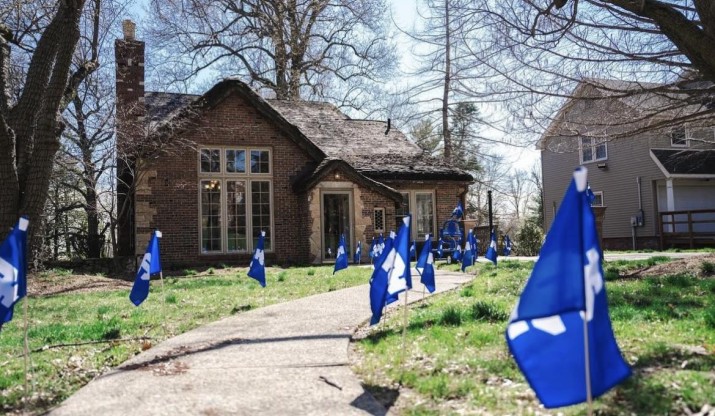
<point x="336" y="221"/>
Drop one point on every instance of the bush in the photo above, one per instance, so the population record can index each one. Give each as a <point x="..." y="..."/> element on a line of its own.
<point x="485" y="311"/>
<point x="451" y="316"/>
<point x="282" y="276"/>
<point x="528" y="240"/>
<point x="707" y="268"/>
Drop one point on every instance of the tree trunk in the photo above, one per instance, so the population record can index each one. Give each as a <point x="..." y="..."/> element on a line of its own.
<point x="32" y="128"/>
<point x="445" y="96"/>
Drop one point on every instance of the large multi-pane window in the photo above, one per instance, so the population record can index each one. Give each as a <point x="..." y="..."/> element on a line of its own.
<point x="236" y="199"/>
<point x="421" y="205"/>
<point x="593" y="149"/>
<point x="424" y="213"/>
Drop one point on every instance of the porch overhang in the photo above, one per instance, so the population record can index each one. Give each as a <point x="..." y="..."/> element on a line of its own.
<point x="685" y="164"/>
<point x="330" y="165"/>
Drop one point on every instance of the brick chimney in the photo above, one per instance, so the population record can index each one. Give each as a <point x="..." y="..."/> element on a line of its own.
<point x="130" y="112"/>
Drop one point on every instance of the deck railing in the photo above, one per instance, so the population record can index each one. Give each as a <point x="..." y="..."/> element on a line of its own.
<point x="695" y="228"/>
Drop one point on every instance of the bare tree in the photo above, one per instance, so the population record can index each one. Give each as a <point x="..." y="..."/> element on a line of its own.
<point x="45" y="36"/>
<point x="293" y="49"/>
<point x="88" y="139"/>
<point x="537" y="51"/>
<point x="519" y="192"/>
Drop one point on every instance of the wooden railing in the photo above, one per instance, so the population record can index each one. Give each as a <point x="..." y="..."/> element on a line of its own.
<point x="687" y="228"/>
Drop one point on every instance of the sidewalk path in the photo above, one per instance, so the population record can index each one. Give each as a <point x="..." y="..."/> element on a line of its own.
<point x="285" y="359"/>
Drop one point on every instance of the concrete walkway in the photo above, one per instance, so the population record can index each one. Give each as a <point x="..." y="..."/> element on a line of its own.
<point x="285" y="359"/>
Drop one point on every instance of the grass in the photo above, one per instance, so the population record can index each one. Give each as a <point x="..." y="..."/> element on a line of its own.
<point x="92" y="318"/>
<point x="458" y="363"/>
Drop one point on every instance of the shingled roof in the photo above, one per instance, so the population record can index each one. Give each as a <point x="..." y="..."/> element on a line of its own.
<point x="685" y="163"/>
<point x="160" y="104"/>
<point x="369" y="146"/>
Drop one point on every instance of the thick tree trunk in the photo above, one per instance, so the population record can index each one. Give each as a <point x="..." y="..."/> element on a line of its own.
<point x="32" y="128"/>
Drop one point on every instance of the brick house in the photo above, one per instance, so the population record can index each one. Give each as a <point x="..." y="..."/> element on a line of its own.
<point x="654" y="188"/>
<point x="302" y="171"/>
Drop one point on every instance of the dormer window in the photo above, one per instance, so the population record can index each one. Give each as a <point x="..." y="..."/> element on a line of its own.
<point x="679" y="137"/>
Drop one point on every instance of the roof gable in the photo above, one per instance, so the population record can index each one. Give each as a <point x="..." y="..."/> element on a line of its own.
<point x="369" y="146"/>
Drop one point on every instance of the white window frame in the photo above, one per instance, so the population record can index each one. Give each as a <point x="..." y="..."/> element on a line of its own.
<point x="686" y="137"/>
<point x="595" y="142"/>
<point x="413" y="206"/>
<point x="223" y="176"/>
<point x="599" y="194"/>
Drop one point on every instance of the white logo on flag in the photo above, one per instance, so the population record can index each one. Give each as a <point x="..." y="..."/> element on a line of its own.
<point x="145" y="267"/>
<point x="8" y="286"/>
<point x="554" y="325"/>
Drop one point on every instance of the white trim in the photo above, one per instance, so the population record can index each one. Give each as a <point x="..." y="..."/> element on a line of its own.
<point x="351" y="222"/>
<point x="412" y="201"/>
<point x="222" y="177"/>
<point x="669" y="175"/>
<point x="687" y="134"/>
<point x="593" y="147"/>
<point x="599" y="193"/>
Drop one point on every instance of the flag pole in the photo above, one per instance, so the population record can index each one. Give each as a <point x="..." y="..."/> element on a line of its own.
<point x="25" y="346"/>
<point x="589" y="396"/>
<point x="404" y="325"/>
<point x="163" y="298"/>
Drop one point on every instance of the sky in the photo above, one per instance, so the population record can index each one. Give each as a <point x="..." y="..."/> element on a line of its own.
<point x="404" y="13"/>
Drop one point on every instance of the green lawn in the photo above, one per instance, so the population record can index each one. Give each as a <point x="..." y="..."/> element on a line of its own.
<point x="110" y="316"/>
<point x="456" y="359"/>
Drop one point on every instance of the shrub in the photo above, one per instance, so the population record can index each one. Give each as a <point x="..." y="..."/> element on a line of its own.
<point x="486" y="311"/>
<point x="282" y="276"/>
<point x="451" y="316"/>
<point x="528" y="240"/>
<point x="190" y="272"/>
<point x="311" y="272"/>
<point x="707" y="268"/>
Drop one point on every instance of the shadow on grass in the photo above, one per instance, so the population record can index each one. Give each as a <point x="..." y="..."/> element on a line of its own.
<point x="385" y="396"/>
<point x="663" y="357"/>
<point x="641" y="396"/>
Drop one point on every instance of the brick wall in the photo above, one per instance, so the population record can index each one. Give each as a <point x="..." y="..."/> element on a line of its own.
<point x="174" y="188"/>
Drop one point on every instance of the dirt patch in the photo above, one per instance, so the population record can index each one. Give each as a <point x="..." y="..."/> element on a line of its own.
<point x="692" y="265"/>
<point x="38" y="285"/>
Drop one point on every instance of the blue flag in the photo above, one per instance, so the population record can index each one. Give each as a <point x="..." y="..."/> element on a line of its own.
<point x="440" y="250"/>
<point x="563" y="300"/>
<point x="151" y="264"/>
<point x="358" y="253"/>
<point x="590" y="194"/>
<point x="468" y="258"/>
<point x="458" y="211"/>
<point x="341" y="255"/>
<point x="474" y="245"/>
<point x="257" y="268"/>
<point x="457" y="253"/>
<point x="413" y="250"/>
<point x="491" y="253"/>
<point x="373" y="249"/>
<point x="392" y="271"/>
<point x="13" y="269"/>
<point x="425" y="265"/>
<point x="380" y="245"/>
<point x="378" y="284"/>
<point x="507" y="245"/>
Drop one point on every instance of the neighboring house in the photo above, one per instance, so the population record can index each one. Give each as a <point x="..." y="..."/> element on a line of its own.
<point x="239" y="164"/>
<point x="655" y="188"/>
